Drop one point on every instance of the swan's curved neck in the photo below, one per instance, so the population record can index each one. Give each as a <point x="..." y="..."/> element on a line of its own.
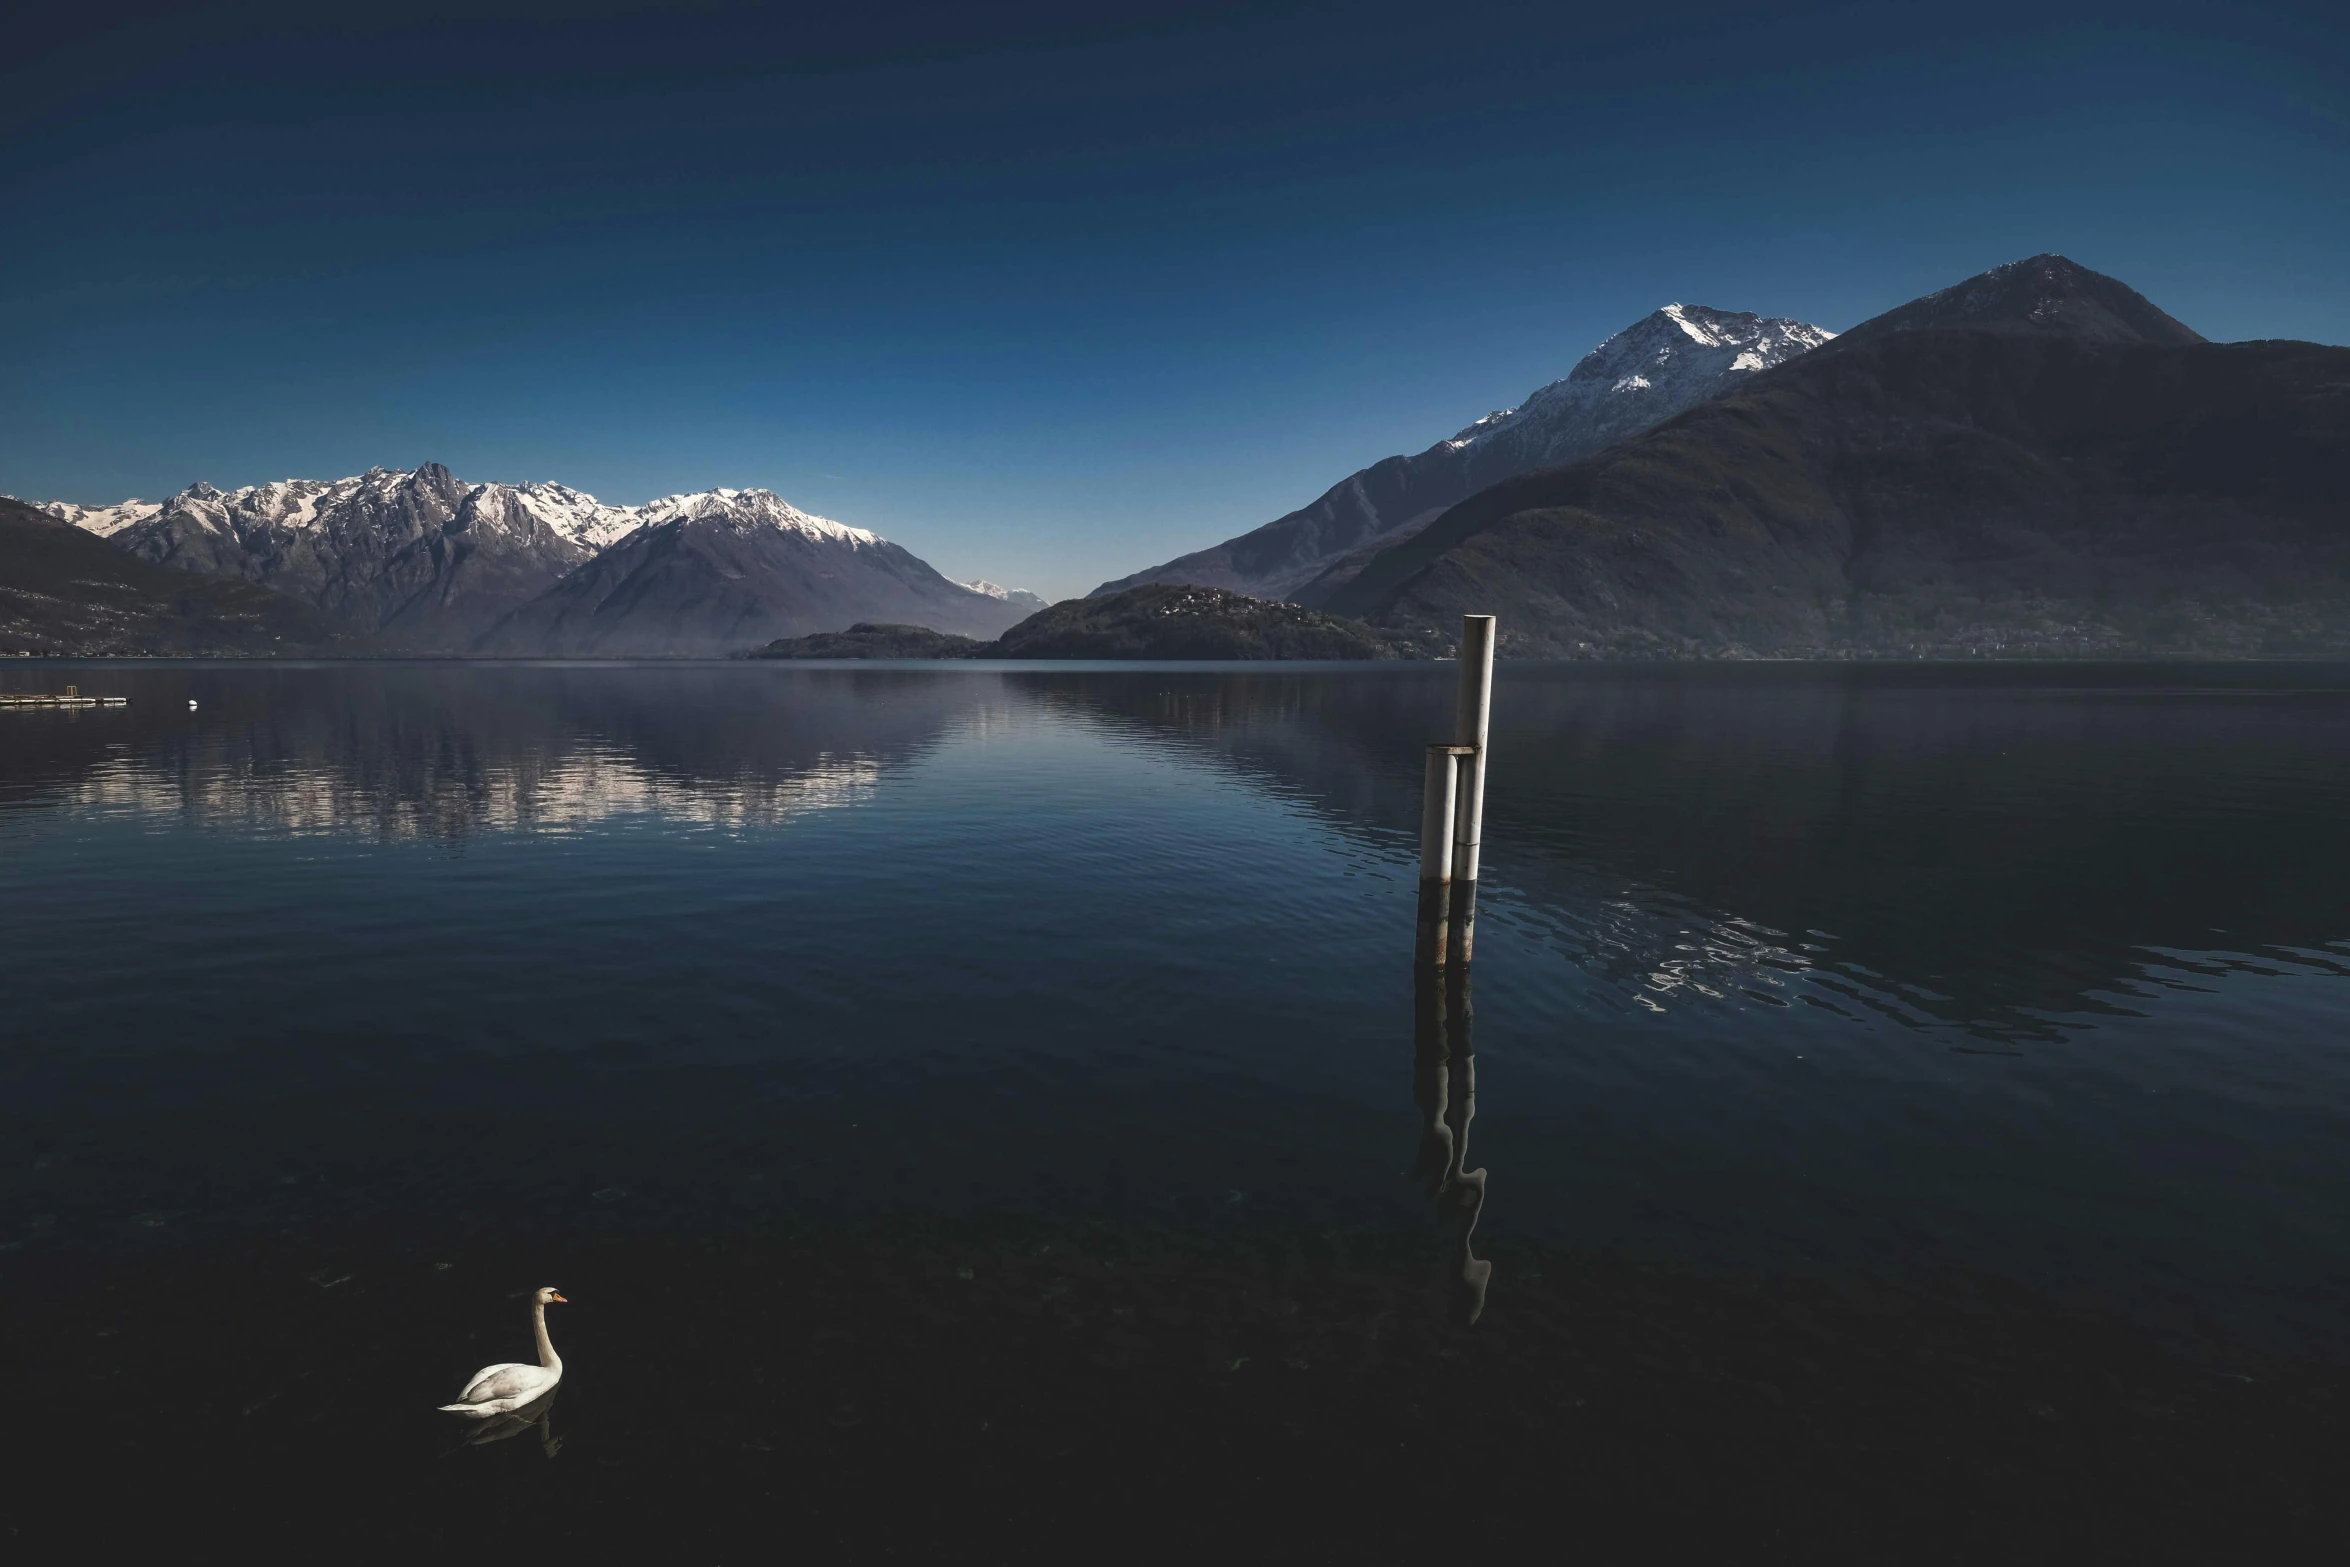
<point x="538" y="1321"/>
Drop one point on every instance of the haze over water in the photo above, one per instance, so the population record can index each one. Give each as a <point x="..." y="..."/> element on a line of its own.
<point x="2031" y="973"/>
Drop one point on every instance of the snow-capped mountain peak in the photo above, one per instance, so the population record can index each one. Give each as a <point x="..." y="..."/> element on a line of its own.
<point x="1668" y="360"/>
<point x="291" y="503"/>
<point x="996" y="590"/>
<point x="747" y="509"/>
<point x="104" y="521"/>
<point x="1481" y="427"/>
<point x="1677" y="337"/>
<point x="570" y="514"/>
<point x="1705" y="327"/>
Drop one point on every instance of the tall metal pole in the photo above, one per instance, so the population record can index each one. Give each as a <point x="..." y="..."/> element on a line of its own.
<point x="1469" y="735"/>
<point x="1436" y="854"/>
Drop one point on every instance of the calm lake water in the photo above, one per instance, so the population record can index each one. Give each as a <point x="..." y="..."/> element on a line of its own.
<point x="788" y="1018"/>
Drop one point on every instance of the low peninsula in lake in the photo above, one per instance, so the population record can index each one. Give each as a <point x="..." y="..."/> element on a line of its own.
<point x="867" y="639"/>
<point x="1154" y="621"/>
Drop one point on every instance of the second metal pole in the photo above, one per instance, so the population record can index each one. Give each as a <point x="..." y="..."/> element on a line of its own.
<point x="1469" y="734"/>
<point x="1437" y="814"/>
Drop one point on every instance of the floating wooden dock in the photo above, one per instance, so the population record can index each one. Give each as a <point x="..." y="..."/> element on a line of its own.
<point x="73" y="698"/>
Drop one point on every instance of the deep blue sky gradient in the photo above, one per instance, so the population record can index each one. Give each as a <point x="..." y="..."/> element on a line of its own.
<point x="1044" y="293"/>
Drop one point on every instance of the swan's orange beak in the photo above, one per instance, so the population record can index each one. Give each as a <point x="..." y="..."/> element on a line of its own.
<point x="557" y="1295"/>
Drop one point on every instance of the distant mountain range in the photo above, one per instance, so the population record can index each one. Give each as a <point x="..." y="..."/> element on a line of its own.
<point x="1668" y="360"/>
<point x="2035" y="461"/>
<point x="423" y="561"/>
<point x="734" y="569"/>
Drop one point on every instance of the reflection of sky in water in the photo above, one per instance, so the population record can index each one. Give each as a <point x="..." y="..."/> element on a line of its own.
<point x="1772" y="966"/>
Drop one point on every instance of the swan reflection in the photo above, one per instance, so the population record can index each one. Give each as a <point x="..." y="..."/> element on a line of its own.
<point x="1444" y="1085"/>
<point x="534" y="1415"/>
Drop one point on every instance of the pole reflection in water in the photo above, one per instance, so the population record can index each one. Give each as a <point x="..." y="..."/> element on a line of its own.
<point x="1444" y="1084"/>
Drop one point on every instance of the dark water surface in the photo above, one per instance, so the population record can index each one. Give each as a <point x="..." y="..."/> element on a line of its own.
<point x="974" y="1109"/>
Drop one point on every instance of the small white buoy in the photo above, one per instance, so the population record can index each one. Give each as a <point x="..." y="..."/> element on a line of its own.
<point x="191" y="704"/>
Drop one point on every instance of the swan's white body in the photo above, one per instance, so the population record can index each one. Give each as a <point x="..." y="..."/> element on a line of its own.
<point x="502" y="1389"/>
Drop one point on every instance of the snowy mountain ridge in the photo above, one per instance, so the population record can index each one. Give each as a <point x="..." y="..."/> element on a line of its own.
<point x="104" y="521"/>
<point x="996" y="590"/>
<point x="426" y="560"/>
<point x="746" y="509"/>
<point x="1668" y="361"/>
<point x="571" y="514"/>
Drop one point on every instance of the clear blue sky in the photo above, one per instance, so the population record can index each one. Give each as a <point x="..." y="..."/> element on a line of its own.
<point x="1048" y="293"/>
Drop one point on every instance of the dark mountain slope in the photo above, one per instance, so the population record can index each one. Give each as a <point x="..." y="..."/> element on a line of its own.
<point x="2049" y="295"/>
<point x="66" y="591"/>
<point x="2006" y="487"/>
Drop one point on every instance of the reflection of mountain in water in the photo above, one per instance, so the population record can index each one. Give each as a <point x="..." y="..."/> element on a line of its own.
<point x="583" y="785"/>
<point x="1944" y="845"/>
<point x="442" y="752"/>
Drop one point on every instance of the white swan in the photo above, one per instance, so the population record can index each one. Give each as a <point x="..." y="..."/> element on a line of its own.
<point x="498" y="1390"/>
